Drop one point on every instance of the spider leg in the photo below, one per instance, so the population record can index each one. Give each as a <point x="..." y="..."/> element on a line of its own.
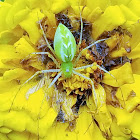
<point x="78" y="57"/>
<point x="55" y="79"/>
<point x="94" y="64"/>
<point x="38" y="72"/>
<point x="93" y="88"/>
<point x="42" y="71"/>
<point x="114" y="78"/>
<point x="42" y="46"/>
<point x="35" y="88"/>
<point x="84" y="67"/>
<point x="81" y="32"/>
<point x="38" y="115"/>
<point x="49" y="55"/>
<point x="46" y="39"/>
<point x="40" y="108"/>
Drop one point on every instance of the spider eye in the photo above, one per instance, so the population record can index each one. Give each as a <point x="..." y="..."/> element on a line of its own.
<point x="67" y="70"/>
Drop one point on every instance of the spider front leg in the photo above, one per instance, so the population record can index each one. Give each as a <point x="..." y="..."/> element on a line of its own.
<point x="38" y="72"/>
<point x="46" y="39"/>
<point x="49" y="55"/>
<point x="45" y="71"/>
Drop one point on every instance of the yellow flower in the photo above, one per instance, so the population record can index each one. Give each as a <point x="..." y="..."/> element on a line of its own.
<point x="68" y="110"/>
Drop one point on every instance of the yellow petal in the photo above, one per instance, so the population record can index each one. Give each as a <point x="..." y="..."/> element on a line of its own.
<point x="94" y="14"/>
<point x="102" y="115"/>
<point x="23" y="48"/>
<point x="29" y="120"/>
<point x="110" y="19"/>
<point x="7" y="93"/>
<point x="76" y="2"/>
<point x="135" y="66"/>
<point x="132" y="103"/>
<point x="14" y="74"/>
<point x="46" y="122"/>
<point x="134" y="6"/>
<point x="112" y="43"/>
<point x="129" y="94"/>
<point x="17" y="135"/>
<point x="7" y="37"/>
<point x="123" y="117"/>
<point x="135" y="125"/>
<point x="91" y="104"/>
<point x="119" y="138"/>
<point x="3" y="136"/>
<point x="77" y="9"/>
<point x="16" y="7"/>
<point x="29" y="24"/>
<point x="58" y="3"/>
<point x="42" y="4"/>
<point x="119" y="53"/>
<point x="135" y="86"/>
<point x="9" y="120"/>
<point x="118" y="2"/>
<point x="126" y="98"/>
<point x="98" y="3"/>
<point x="123" y="75"/>
<point x="119" y="132"/>
<point x="104" y="120"/>
<point x="7" y="52"/>
<point x="124" y="91"/>
<point x="85" y="127"/>
<point x="135" y="53"/>
<point x="135" y="31"/>
<point x="9" y="1"/>
<point x="60" y="132"/>
<point x="4" y="9"/>
<point x="19" y="16"/>
<point x="130" y="16"/>
<point x="5" y="130"/>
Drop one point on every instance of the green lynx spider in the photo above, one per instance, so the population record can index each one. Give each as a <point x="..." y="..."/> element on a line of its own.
<point x="65" y="50"/>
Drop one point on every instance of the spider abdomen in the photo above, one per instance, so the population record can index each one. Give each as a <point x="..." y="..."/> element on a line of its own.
<point x="64" y="44"/>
